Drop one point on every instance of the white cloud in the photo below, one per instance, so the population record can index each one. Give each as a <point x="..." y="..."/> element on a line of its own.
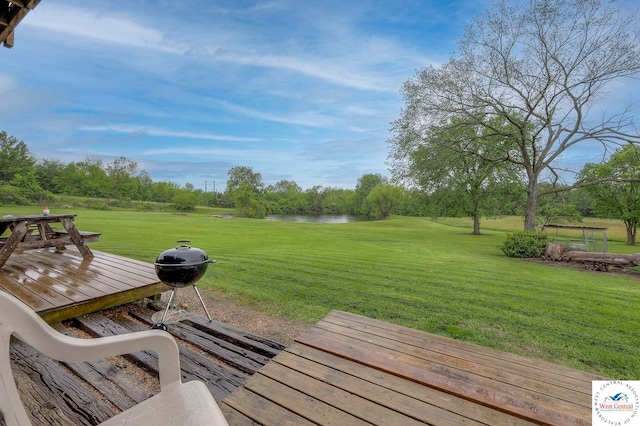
<point x="308" y="119"/>
<point x="201" y="151"/>
<point x="119" y="128"/>
<point x="109" y="28"/>
<point x="320" y="68"/>
<point x="349" y="61"/>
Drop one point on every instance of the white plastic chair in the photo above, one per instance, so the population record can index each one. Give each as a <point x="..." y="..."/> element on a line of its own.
<point x="177" y="403"/>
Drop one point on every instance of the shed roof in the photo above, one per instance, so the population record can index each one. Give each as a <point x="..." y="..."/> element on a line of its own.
<point x="11" y="13"/>
<point x="590" y="228"/>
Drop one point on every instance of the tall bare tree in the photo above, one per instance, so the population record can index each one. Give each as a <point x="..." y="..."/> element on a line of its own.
<point x="542" y="66"/>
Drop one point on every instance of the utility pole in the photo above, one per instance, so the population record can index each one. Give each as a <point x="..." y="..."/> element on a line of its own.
<point x="206" y="188"/>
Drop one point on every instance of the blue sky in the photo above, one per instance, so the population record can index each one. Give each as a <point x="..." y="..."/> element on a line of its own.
<point x="297" y="90"/>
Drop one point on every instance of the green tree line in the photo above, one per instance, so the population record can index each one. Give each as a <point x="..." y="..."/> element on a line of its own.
<point x="25" y="180"/>
<point x="461" y="189"/>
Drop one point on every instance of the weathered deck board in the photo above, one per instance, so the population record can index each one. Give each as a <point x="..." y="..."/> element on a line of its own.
<point x="39" y="402"/>
<point x="87" y="393"/>
<point x="257" y="344"/>
<point x="408" y="397"/>
<point x="354" y="406"/>
<point x="421" y="339"/>
<point x="62" y="284"/>
<point x="352" y="369"/>
<point x="237" y="357"/>
<point x="65" y="391"/>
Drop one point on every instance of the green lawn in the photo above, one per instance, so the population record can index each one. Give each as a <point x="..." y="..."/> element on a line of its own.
<point x="429" y="275"/>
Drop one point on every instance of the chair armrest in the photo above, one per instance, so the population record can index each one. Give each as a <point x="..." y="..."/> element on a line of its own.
<point x="191" y="399"/>
<point x="72" y="349"/>
<point x="20" y="320"/>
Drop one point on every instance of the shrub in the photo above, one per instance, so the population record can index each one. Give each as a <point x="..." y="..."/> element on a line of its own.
<point x="254" y="210"/>
<point x="525" y="244"/>
<point x="96" y="204"/>
<point x="11" y="195"/>
<point x="184" y="202"/>
<point x="145" y="207"/>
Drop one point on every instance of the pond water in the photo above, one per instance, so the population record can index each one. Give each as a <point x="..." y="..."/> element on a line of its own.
<point x="319" y="218"/>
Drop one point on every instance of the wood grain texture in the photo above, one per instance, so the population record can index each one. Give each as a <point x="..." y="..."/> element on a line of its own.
<point x="63" y="284"/>
<point x="350" y="369"/>
<point x="83" y="393"/>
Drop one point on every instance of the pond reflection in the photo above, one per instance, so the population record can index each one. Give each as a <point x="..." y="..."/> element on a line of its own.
<point x="319" y="218"/>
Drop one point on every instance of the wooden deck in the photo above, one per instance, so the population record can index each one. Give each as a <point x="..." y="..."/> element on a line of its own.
<point x="352" y="370"/>
<point x="62" y="284"/>
<point x="87" y="393"/>
<point x="347" y="370"/>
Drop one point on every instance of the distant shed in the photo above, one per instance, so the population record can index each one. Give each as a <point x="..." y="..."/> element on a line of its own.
<point x="585" y="238"/>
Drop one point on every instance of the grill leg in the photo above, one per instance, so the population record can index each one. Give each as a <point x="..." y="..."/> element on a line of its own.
<point x="171" y="296"/>
<point x="202" y="301"/>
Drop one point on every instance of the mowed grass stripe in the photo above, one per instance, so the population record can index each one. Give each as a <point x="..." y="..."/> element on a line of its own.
<point x="409" y="271"/>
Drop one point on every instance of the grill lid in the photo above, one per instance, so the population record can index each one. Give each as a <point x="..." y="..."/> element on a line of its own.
<point x="182" y="255"/>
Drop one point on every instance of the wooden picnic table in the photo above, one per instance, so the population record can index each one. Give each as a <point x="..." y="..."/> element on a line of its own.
<point x="35" y="231"/>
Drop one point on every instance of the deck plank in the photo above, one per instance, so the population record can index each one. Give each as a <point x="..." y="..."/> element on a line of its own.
<point x="33" y="299"/>
<point x="405" y="334"/>
<point x="243" y="359"/>
<point x="248" y="404"/>
<point x="68" y="393"/>
<point x="310" y="407"/>
<point x="73" y="284"/>
<point x="459" y="363"/>
<point x="349" y="402"/>
<point x="62" y="284"/>
<point x="18" y="278"/>
<point x="38" y="402"/>
<point x="411" y="398"/>
<point x="59" y="393"/>
<point x="117" y="275"/>
<point x="348" y="369"/>
<point x="498" y="384"/>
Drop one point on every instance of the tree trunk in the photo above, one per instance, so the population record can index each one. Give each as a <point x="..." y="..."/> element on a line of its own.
<point x="632" y="227"/>
<point x="554" y="251"/>
<point x="476" y="220"/>
<point x="613" y="258"/>
<point x="532" y="199"/>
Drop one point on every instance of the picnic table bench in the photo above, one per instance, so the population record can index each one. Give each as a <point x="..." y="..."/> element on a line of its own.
<point x="35" y="231"/>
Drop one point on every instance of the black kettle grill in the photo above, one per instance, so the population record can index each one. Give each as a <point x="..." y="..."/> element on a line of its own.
<point x="180" y="267"/>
